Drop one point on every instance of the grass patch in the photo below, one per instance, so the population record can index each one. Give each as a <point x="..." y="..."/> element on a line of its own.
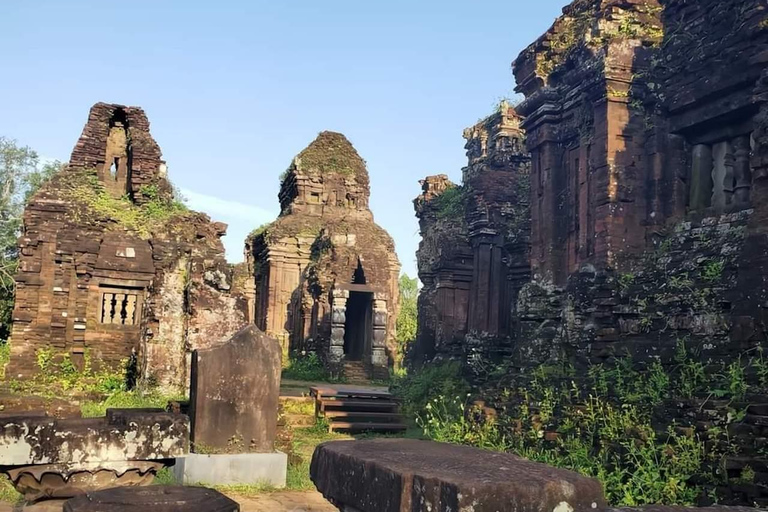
<point x="7" y="493"/>
<point x="132" y="399"/>
<point x="302" y="407"/>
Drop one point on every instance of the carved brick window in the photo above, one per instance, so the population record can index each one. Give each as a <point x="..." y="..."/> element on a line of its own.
<point x="119" y="307"/>
<point x="720" y="174"/>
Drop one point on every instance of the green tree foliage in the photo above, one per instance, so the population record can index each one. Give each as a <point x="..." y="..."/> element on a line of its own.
<point x="407" y="318"/>
<point x="21" y="175"/>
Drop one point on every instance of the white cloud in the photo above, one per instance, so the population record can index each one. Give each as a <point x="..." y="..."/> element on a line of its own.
<point x="242" y="218"/>
<point x="217" y="207"/>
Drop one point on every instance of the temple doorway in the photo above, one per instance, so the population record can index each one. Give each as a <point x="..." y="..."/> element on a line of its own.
<point x="358" y="327"/>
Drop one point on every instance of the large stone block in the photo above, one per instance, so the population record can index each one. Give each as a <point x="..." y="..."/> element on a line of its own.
<point x="121" y="436"/>
<point x="406" y="475"/>
<point x="234" y="394"/>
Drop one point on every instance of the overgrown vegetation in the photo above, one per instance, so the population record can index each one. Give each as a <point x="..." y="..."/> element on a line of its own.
<point x="450" y="204"/>
<point x="307" y="367"/>
<point x="101" y="388"/>
<point x="421" y="387"/>
<point x="407" y="317"/>
<point x="331" y="153"/>
<point x="85" y="189"/>
<point x="609" y="424"/>
<point x="21" y="175"/>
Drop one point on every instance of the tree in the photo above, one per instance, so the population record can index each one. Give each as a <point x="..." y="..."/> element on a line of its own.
<point x="21" y="175"/>
<point x="407" y="318"/>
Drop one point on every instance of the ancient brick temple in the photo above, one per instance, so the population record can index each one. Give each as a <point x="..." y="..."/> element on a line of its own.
<point x="474" y="255"/>
<point x="638" y="140"/>
<point x="112" y="268"/>
<point x="325" y="274"/>
<point x="642" y="228"/>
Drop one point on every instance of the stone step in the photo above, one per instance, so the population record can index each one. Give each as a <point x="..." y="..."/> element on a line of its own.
<point x="361" y="426"/>
<point x="332" y="415"/>
<point x="369" y="404"/>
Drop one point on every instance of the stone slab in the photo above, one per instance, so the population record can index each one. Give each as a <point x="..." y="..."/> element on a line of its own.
<point x="235" y="391"/>
<point x="232" y="469"/>
<point x="122" y="435"/>
<point x="405" y="475"/>
<point x="157" y="498"/>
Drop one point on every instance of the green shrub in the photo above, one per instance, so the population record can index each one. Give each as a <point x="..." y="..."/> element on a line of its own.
<point x="450" y="204"/>
<point x="616" y="445"/>
<point x="307" y="367"/>
<point x="417" y="389"/>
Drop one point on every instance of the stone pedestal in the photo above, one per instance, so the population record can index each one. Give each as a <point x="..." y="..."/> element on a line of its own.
<point x="57" y="458"/>
<point x="232" y="469"/>
<point x="69" y="480"/>
<point x="234" y="403"/>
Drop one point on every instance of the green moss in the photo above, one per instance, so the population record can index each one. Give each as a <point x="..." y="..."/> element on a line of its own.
<point x="97" y="204"/>
<point x="331" y="153"/>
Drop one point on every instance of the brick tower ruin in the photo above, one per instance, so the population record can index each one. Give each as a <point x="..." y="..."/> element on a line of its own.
<point x="641" y="231"/>
<point x="112" y="268"/>
<point x="325" y="274"/>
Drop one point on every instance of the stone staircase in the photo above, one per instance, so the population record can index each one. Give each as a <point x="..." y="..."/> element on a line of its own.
<point x="356" y="372"/>
<point x="351" y="409"/>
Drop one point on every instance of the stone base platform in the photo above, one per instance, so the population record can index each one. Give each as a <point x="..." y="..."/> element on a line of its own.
<point x="232" y="469"/>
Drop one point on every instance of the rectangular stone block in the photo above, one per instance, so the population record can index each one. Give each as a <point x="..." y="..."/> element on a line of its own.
<point x="406" y="475"/>
<point x="122" y="435"/>
<point x="234" y="394"/>
<point x="232" y="469"/>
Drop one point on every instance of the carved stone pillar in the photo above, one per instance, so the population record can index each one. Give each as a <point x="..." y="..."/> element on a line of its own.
<point x="701" y="177"/>
<point x="728" y="174"/>
<point x="379" y="345"/>
<point x="741" y="170"/>
<point x="338" y="319"/>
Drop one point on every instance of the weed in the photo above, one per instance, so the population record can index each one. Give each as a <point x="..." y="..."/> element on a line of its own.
<point x="420" y="388"/>
<point x="626" y="280"/>
<point x="306" y="367"/>
<point x="712" y="271"/>
<point x="691" y="378"/>
<point x="736" y="381"/>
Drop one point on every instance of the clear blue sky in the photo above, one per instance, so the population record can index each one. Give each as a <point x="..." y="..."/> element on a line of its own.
<point x="234" y="89"/>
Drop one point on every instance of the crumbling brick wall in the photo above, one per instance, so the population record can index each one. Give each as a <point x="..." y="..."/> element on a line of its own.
<point x="324" y="247"/>
<point x="97" y="280"/>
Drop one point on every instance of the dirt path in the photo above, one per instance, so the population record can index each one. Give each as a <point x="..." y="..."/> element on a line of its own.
<point x="286" y="501"/>
<point x="282" y="501"/>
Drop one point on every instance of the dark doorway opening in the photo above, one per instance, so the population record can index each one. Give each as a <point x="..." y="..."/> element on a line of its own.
<point x="358" y="328"/>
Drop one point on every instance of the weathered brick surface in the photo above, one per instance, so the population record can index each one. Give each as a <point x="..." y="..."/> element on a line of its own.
<point x="70" y="256"/>
<point x="647" y="128"/>
<point x="474" y="254"/>
<point x="324" y="247"/>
